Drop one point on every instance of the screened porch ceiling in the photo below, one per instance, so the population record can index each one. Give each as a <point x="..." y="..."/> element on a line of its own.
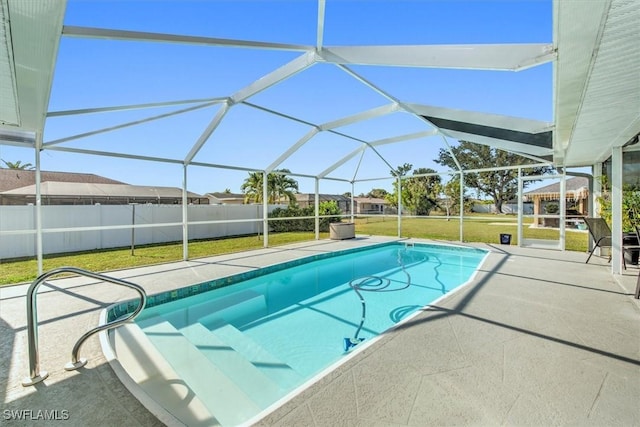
<point x="593" y="64"/>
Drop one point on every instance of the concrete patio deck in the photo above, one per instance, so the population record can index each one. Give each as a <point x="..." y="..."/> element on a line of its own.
<point x="538" y="338"/>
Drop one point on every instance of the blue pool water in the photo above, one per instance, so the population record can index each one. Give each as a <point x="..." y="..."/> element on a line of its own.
<point x="257" y="340"/>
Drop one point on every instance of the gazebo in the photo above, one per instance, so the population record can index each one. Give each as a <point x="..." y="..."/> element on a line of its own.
<point x="576" y="198"/>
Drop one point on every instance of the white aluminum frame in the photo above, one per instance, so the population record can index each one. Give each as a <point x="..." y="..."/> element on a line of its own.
<point x="513" y="57"/>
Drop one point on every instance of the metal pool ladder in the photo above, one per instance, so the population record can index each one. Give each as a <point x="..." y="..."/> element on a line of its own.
<point x="35" y="375"/>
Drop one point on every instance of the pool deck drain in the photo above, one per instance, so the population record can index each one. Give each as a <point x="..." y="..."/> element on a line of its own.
<point x="538" y="338"/>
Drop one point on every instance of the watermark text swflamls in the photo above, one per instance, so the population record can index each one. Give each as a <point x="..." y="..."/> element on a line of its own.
<point x="35" y="414"/>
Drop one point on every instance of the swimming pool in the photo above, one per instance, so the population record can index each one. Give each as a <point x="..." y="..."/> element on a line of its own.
<point x="244" y="347"/>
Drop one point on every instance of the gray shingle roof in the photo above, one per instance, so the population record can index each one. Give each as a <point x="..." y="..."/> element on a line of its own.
<point x="571" y="185"/>
<point x="310" y="197"/>
<point x="86" y="189"/>
<point x="226" y="195"/>
<point x="371" y="200"/>
<point x="15" y="178"/>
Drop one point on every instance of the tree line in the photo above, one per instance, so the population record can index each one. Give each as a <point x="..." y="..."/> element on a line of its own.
<point x="424" y="191"/>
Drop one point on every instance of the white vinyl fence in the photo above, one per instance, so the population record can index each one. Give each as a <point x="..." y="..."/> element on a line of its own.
<point x="18" y="224"/>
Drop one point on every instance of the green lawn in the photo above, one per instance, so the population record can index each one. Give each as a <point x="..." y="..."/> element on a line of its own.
<point x="475" y="230"/>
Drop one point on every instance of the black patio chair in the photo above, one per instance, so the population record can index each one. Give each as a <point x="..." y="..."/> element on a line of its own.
<point x="601" y="233"/>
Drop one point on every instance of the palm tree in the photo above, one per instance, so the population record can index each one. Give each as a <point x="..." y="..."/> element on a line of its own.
<point x="279" y="186"/>
<point x="252" y="188"/>
<point x="18" y="165"/>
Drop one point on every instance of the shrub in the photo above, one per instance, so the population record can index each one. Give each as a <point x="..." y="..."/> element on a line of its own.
<point x="304" y="224"/>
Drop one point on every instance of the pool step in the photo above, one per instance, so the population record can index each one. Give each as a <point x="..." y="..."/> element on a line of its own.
<point x="240" y="307"/>
<point x="158" y="381"/>
<point x="269" y="364"/>
<point x="252" y="381"/>
<point x="224" y="399"/>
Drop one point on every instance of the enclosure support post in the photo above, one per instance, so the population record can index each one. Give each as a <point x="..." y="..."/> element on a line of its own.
<point x="616" y="210"/>
<point x="317" y="209"/>
<point x="399" y="207"/>
<point x="133" y="228"/>
<point x="38" y="206"/>
<point x="353" y="188"/>
<point x="594" y="206"/>
<point x="520" y="207"/>
<point x="563" y="209"/>
<point x="461" y="206"/>
<point x="265" y="210"/>
<point x="185" y="216"/>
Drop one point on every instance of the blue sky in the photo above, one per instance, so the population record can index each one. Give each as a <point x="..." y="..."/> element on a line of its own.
<point x="99" y="73"/>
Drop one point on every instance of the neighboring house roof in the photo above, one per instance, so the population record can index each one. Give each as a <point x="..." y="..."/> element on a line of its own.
<point x="16" y="178"/>
<point x="78" y="189"/>
<point x="225" y="197"/>
<point x="576" y="188"/>
<point x="373" y="200"/>
<point x="311" y="197"/>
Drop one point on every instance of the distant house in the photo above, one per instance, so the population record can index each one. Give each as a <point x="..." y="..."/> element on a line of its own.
<point x="370" y="205"/>
<point x="225" y="198"/>
<point x="17" y="187"/>
<point x="308" y="199"/>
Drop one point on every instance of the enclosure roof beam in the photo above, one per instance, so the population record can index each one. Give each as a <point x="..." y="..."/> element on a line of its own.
<point x="404" y="106"/>
<point x="500" y="57"/>
<point x="537" y="159"/>
<point x="300" y="63"/>
<point x="112" y="154"/>
<point x="279" y="114"/>
<point x="500" y="168"/>
<point x="401" y="105"/>
<point x="498" y="143"/>
<point x="406" y="137"/>
<point x="365" y="115"/>
<point x="125" y="125"/>
<point x="342" y="161"/>
<point x="451" y="153"/>
<point x="320" y="29"/>
<point x="219" y="166"/>
<point x="454" y="172"/>
<point x="133" y="107"/>
<point x="124" y="35"/>
<point x="314" y="126"/>
<point x="508" y="133"/>
<point x="359" y="117"/>
<point x="313" y="132"/>
<point x="148" y="158"/>
<point x="383" y="178"/>
<point x="367" y="83"/>
<point x="215" y="122"/>
<point x="377" y="153"/>
<point x="17" y="138"/>
<point x="355" y="173"/>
